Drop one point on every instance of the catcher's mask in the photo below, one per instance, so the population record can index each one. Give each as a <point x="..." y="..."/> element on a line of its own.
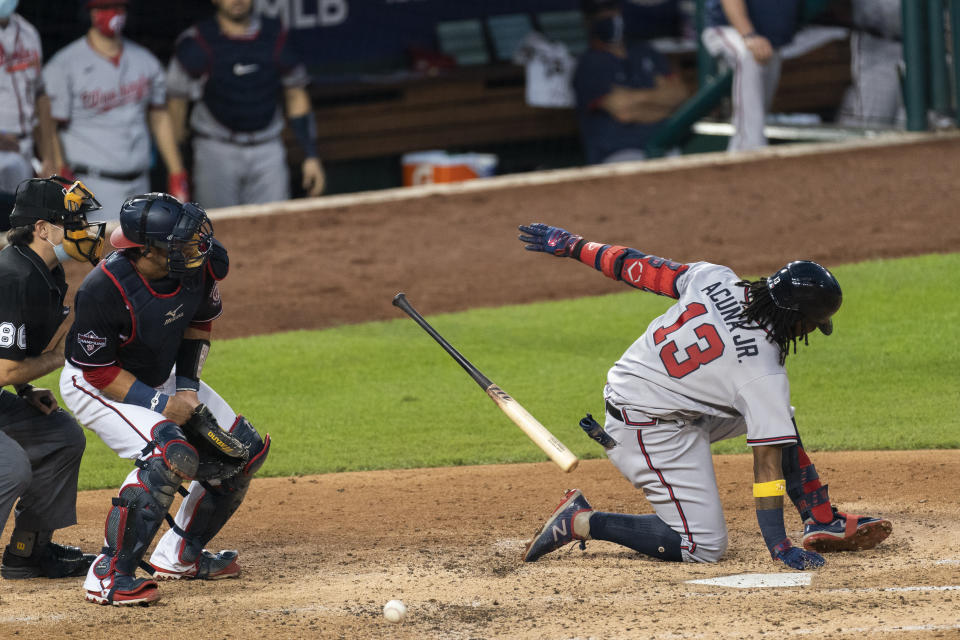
<point x="808" y="288"/>
<point x="183" y="230"/>
<point x="58" y="201"/>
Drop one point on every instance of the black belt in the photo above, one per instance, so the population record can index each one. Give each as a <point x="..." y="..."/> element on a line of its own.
<point x="109" y="175"/>
<point x="616" y="413"/>
<point x="238" y="139"/>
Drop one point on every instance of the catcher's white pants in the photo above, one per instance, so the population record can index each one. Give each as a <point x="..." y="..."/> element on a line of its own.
<point x="754" y="85"/>
<point x="126" y="428"/>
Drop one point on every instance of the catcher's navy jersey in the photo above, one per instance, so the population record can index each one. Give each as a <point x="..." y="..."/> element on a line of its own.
<point x="124" y="320"/>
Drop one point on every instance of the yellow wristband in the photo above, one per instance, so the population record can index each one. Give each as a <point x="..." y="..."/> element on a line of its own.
<point x="769" y="489"/>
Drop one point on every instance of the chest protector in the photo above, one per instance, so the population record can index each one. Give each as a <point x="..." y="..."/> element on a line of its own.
<point x="159" y="321"/>
<point x="243" y="85"/>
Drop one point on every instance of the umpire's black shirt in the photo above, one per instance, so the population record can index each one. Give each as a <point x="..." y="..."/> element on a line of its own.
<point x="31" y="303"/>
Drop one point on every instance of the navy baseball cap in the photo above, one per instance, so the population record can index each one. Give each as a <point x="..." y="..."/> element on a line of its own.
<point x="38" y="199"/>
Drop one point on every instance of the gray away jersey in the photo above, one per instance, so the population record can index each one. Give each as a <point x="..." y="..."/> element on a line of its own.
<point x="21" y="60"/>
<point x="104" y="101"/>
<point x="695" y="360"/>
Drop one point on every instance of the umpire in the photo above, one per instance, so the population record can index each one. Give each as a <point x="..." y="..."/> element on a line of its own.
<point x="40" y="444"/>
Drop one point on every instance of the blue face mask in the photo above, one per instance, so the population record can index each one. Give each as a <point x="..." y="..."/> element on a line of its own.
<point x="7" y="7"/>
<point x="61" y="253"/>
<point x="609" y="30"/>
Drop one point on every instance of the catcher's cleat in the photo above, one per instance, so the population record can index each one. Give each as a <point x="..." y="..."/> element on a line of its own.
<point x="52" y="561"/>
<point x="847" y="532"/>
<point x="208" y="566"/>
<point x="558" y="530"/>
<point x="125" y="591"/>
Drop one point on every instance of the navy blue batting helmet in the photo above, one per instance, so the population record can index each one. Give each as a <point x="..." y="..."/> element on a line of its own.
<point x="808" y="288"/>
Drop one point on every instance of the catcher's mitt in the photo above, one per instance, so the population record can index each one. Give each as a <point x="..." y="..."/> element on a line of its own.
<point x="222" y="455"/>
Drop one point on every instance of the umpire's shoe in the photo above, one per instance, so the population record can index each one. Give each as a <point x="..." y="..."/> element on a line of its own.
<point x="558" y="530"/>
<point x="846" y="532"/>
<point x="52" y="560"/>
<point x="209" y="566"/>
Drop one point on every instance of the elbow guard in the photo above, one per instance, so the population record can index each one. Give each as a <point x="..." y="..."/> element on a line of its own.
<point x="637" y="269"/>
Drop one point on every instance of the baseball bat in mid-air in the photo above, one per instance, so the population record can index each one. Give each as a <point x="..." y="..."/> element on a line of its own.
<point x="564" y="458"/>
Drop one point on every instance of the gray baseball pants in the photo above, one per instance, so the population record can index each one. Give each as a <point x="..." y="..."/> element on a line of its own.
<point x="39" y="463"/>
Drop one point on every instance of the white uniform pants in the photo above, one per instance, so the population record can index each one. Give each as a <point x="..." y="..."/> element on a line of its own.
<point x="126" y="429"/>
<point x="754" y="85"/>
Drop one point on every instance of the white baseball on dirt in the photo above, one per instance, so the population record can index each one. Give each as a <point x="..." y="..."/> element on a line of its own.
<point x="395" y="611"/>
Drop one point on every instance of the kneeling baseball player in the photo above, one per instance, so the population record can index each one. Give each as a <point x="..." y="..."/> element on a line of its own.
<point x="134" y="358"/>
<point x="710" y="368"/>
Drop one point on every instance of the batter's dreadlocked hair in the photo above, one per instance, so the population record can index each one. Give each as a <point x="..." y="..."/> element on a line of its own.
<point x="780" y="324"/>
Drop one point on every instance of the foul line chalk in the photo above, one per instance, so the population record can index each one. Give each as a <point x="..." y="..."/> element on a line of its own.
<point x="554" y="176"/>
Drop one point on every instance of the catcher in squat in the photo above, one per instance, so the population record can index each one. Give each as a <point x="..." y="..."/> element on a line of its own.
<point x="134" y="358"/>
<point x="710" y="368"/>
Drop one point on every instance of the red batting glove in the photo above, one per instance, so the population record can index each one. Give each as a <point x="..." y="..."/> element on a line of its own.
<point x="179" y="186"/>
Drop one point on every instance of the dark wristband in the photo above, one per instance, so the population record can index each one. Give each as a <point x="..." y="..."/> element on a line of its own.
<point x="575" y="251"/>
<point x="23" y="389"/>
<point x="305" y="131"/>
<point x="147" y="397"/>
<point x="187" y="384"/>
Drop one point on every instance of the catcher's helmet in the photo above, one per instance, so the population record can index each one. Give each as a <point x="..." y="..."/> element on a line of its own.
<point x="808" y="288"/>
<point x="183" y="230"/>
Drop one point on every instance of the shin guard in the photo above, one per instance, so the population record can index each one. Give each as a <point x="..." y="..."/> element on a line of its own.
<point x="808" y="495"/>
<point x="135" y="518"/>
<point x="221" y="500"/>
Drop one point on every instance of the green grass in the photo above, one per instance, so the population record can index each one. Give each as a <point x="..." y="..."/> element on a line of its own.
<point x="385" y="395"/>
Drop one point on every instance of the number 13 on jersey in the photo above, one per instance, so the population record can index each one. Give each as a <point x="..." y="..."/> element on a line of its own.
<point x="696" y="355"/>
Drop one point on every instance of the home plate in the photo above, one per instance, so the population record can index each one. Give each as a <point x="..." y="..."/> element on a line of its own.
<point x="756" y="580"/>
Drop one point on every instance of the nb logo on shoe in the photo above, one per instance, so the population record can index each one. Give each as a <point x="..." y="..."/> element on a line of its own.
<point x="559" y="531"/>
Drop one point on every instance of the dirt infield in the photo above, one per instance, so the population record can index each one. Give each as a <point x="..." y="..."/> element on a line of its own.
<point x="322" y="554"/>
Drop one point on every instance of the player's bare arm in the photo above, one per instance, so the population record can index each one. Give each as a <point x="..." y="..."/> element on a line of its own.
<point x="161" y="126"/>
<point x="177" y="107"/>
<point x="300" y="116"/>
<point x="19" y="373"/>
<point x="45" y="134"/>
<point x="739" y="19"/>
